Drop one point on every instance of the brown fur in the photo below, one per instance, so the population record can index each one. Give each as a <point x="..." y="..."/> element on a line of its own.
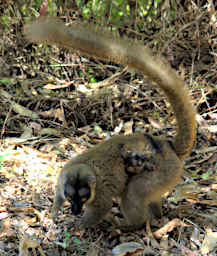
<point x="102" y="170"/>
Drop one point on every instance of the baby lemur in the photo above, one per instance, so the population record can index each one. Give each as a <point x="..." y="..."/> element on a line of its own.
<point x="96" y="176"/>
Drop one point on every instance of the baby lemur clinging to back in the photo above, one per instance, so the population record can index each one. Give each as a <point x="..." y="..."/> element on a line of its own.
<point x="96" y="176"/>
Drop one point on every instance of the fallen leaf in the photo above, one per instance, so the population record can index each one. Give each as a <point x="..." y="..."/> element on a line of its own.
<point x="27" y="243"/>
<point x="169" y="227"/>
<point x="209" y="242"/>
<point x="130" y="248"/>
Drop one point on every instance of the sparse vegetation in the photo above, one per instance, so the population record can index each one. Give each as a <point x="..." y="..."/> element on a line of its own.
<point x="55" y="104"/>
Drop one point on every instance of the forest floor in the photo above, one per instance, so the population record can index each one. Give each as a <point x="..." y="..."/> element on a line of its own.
<point x="55" y="105"/>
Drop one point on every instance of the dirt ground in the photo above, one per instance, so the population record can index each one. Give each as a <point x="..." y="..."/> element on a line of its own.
<point x="56" y="104"/>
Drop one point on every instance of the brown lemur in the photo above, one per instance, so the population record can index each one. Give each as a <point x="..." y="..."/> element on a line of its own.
<point x="96" y="176"/>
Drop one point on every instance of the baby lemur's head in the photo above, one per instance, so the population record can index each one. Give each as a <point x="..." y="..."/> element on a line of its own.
<point x="79" y="187"/>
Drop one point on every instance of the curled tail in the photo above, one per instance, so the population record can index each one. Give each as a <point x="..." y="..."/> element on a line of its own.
<point x="104" y="45"/>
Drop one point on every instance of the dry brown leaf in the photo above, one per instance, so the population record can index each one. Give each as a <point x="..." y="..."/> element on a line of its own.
<point x="124" y="249"/>
<point x="209" y="242"/>
<point x="5" y="226"/>
<point x="208" y="202"/>
<point x="27" y="210"/>
<point x="27" y="243"/>
<point x="169" y="227"/>
<point x="93" y="251"/>
<point x="128" y="127"/>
